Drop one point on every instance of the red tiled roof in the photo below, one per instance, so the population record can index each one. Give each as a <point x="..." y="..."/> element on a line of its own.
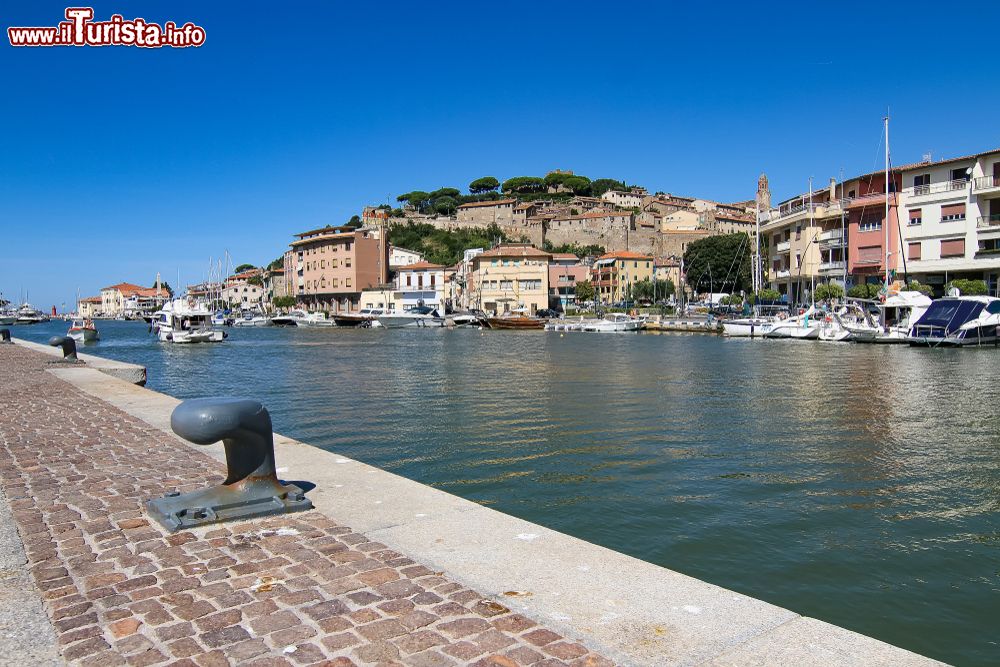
<point x="420" y="266"/>
<point x="564" y="255"/>
<point x="497" y="202"/>
<point x="624" y="254"/>
<point x="122" y="287"/>
<point x="91" y="299"/>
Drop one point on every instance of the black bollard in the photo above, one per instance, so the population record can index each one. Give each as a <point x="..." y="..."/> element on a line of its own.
<point x="5" y="336"/>
<point x="251" y="488"/>
<point x="68" y="346"/>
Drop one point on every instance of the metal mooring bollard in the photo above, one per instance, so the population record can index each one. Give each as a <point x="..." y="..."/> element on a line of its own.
<point x="251" y="488"/>
<point x="67" y="344"/>
<point x="5" y="336"/>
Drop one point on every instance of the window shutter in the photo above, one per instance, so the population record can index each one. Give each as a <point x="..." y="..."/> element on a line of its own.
<point x="953" y="248"/>
<point x="914" y="251"/>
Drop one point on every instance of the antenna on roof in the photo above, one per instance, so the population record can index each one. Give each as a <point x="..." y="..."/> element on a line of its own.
<point x="927" y="157"/>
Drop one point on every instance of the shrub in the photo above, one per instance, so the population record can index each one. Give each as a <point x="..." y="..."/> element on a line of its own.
<point x="864" y="291"/>
<point x="915" y="286"/>
<point x="768" y="294"/>
<point x="828" y="291"/>
<point x="968" y="287"/>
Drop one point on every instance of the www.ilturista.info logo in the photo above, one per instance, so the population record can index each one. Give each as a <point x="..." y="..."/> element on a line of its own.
<point x="81" y="30"/>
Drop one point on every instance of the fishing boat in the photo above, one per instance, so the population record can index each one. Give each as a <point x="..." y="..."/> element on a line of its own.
<point x="515" y="320"/>
<point x="957" y="322"/>
<point x="83" y="330"/>
<point x="185" y="321"/>
<point x="418" y="316"/>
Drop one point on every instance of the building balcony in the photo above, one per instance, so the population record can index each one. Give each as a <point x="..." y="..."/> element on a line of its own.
<point x="784" y="246"/>
<point x="987" y="183"/>
<point x="937" y="188"/>
<point x="989" y="221"/>
<point x="783" y="273"/>
<point x="868" y="261"/>
<point x="869" y="199"/>
<point x="832" y="267"/>
<point x="831" y="237"/>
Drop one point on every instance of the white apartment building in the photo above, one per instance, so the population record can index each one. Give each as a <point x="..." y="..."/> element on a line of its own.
<point x="631" y="199"/>
<point x="950" y="220"/>
<point x="402" y="257"/>
<point x="421" y="284"/>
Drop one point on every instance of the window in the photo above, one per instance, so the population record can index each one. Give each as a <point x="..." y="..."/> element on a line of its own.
<point x="506" y="284"/>
<point x="921" y="184"/>
<point x="348" y="246"/>
<point x="798" y="260"/>
<point x="953" y="248"/>
<point x="409" y="280"/>
<point x="322" y="264"/>
<point x="913" y="250"/>
<point x="959" y="174"/>
<point x="851" y="194"/>
<point x="432" y="280"/>
<point x="989" y="247"/>
<point x="870" y="225"/>
<point x="347" y="282"/>
<point x="952" y="212"/>
<point x="870" y="255"/>
<point x="347" y="262"/>
<point x="334" y="283"/>
<point x="916" y="216"/>
<point x="333" y="263"/>
<point x="420" y="280"/>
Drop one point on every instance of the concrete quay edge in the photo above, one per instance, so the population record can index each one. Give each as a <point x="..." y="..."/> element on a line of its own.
<point x="131" y="373"/>
<point x="631" y="611"/>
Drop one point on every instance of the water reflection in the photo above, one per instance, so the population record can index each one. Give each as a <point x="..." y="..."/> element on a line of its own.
<point x="856" y="484"/>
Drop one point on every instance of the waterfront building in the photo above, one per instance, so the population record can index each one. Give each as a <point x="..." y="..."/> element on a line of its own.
<point x="89" y="307"/>
<point x="402" y="257"/>
<point x="565" y="271"/>
<point x="511" y="276"/>
<point x="332" y="265"/>
<point x="485" y="213"/>
<point x="275" y="284"/>
<point x="129" y="300"/>
<point x="614" y="274"/>
<point x="667" y="268"/>
<point x="421" y="284"/>
<point x="951" y="220"/>
<point x="243" y="289"/>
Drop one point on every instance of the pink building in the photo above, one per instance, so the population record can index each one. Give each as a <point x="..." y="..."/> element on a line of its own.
<point x="565" y="271"/>
<point x="867" y="226"/>
<point x="330" y="266"/>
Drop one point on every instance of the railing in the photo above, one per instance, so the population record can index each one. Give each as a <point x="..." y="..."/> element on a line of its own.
<point x="987" y="182"/>
<point x="868" y="260"/>
<point x="832" y="266"/>
<point x="784" y="246"/>
<point x="992" y="220"/>
<point x="932" y="188"/>
<point x="831" y="235"/>
<point x="783" y="274"/>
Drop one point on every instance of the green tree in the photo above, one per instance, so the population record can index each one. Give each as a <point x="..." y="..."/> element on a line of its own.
<point x="768" y="294"/>
<point x="968" y="287"/>
<point x="916" y="286"/>
<point x="602" y="185"/>
<point x="257" y="280"/>
<point x="243" y="267"/>
<point x="584" y="291"/>
<point x="580" y="185"/>
<point x="440" y="246"/>
<point x="283" y="301"/>
<point x="524" y="184"/>
<point x="445" y="205"/>
<point x="828" y="291"/>
<point x="484" y="184"/>
<point x="277" y="264"/>
<point x="865" y="291"/>
<point x="354" y="222"/>
<point x="719" y="263"/>
<point x="446" y="192"/>
<point x="418" y="199"/>
<point x="165" y="286"/>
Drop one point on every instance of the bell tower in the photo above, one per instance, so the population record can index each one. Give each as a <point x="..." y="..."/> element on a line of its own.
<point x="763" y="194"/>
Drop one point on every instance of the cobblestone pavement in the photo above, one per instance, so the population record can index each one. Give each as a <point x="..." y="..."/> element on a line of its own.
<point x="294" y="590"/>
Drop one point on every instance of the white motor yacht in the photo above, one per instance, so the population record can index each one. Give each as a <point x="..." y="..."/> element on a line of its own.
<point x="850" y="322"/>
<point x="614" y="323"/>
<point x="749" y="327"/>
<point x="317" y="319"/>
<point x="958" y="321"/>
<point x="83" y="330"/>
<point x="185" y="321"/>
<point x="898" y="313"/>
<point x="289" y="319"/>
<point x="28" y="314"/>
<point x="418" y="316"/>
<point x="251" y="320"/>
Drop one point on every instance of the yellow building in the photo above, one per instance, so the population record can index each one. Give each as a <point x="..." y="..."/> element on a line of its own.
<point x="614" y="273"/>
<point x="510" y="277"/>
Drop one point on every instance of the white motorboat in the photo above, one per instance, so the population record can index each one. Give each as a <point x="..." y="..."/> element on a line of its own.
<point x="185" y="321"/>
<point x="898" y="313"/>
<point x="317" y="319"/>
<point x="850" y="322"/>
<point x="803" y="327"/>
<point x="7" y="318"/>
<point x="83" y="331"/>
<point x="748" y="327"/>
<point x="419" y="316"/>
<point x="958" y="321"/>
<point x="28" y="314"/>
<point x="289" y="319"/>
<point x="614" y="323"/>
<point x="251" y="320"/>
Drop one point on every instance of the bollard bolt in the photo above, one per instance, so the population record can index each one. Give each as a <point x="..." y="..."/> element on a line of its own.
<point x="67" y="344"/>
<point x="251" y="488"/>
<point x="5" y="336"/>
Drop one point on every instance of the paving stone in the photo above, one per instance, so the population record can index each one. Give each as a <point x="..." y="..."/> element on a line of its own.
<point x="230" y="594"/>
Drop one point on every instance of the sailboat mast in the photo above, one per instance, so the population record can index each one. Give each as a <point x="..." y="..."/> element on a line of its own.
<point x="886" y="230"/>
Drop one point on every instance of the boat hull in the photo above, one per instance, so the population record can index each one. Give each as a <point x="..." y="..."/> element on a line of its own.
<point x="747" y="328"/>
<point x="405" y="321"/>
<point x="84" y="335"/>
<point x="518" y="323"/>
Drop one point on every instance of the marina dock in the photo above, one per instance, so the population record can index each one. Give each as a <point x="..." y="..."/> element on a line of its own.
<point x="383" y="570"/>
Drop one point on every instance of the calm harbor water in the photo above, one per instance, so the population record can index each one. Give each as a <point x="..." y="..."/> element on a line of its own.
<point x="855" y="484"/>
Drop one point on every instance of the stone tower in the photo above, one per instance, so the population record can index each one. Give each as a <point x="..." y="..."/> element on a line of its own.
<point x="763" y="194"/>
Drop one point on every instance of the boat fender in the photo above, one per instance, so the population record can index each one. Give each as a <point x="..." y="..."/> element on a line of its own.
<point x="170" y="336"/>
<point x="225" y="334"/>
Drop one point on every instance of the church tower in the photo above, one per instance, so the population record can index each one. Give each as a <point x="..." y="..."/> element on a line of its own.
<point x="763" y="194"/>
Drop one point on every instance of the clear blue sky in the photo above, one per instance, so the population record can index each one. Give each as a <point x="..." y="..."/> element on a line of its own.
<point x="117" y="162"/>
